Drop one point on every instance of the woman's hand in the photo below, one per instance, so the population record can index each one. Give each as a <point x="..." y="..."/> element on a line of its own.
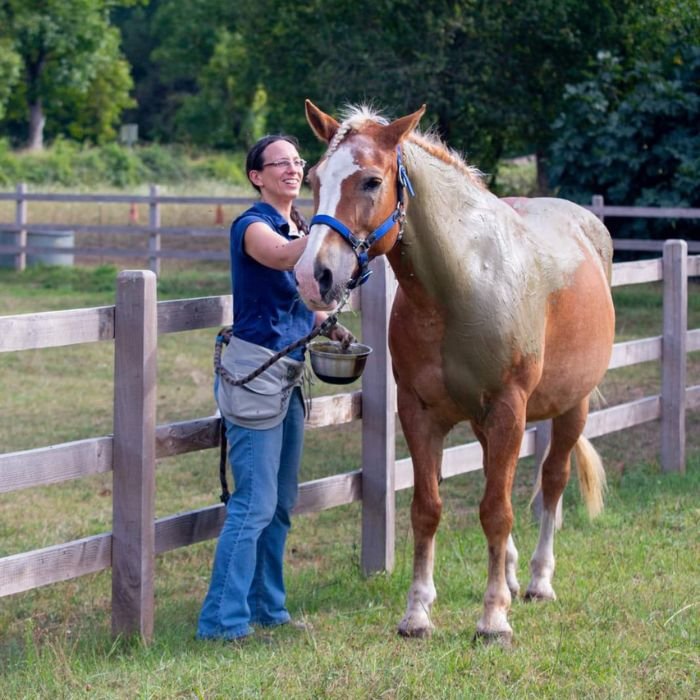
<point x="341" y="334"/>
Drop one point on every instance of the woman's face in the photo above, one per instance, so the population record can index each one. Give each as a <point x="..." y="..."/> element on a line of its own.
<point x="281" y="172"/>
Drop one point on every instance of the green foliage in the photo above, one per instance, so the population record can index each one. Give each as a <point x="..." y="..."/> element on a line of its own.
<point x="631" y="135"/>
<point x="70" y="63"/>
<point x="92" y="114"/>
<point x="490" y="74"/>
<point x="10" y="63"/>
<point x="69" y="164"/>
<point x="498" y="79"/>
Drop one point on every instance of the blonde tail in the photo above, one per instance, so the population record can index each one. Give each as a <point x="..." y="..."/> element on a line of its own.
<point x="591" y="476"/>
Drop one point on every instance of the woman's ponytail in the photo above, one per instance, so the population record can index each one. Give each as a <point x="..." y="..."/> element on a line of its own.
<point x="299" y="220"/>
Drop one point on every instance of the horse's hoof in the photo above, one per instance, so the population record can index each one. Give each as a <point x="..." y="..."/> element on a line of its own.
<point x="415" y="632"/>
<point x="503" y="639"/>
<point x="539" y="596"/>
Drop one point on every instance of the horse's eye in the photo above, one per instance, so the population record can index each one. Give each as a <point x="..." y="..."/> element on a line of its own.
<point x="371" y="184"/>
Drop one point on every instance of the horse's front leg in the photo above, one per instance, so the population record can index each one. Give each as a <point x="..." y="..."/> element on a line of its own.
<point x="511" y="550"/>
<point x="503" y="431"/>
<point x="425" y="442"/>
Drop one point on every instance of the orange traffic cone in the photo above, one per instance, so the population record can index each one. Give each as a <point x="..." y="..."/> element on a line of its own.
<point x="133" y="213"/>
<point x="219" y="216"/>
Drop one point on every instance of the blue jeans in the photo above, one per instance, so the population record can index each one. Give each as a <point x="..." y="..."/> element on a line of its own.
<point x="247" y="583"/>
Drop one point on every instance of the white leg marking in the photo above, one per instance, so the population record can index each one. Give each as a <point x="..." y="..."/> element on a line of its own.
<point x="421" y="596"/>
<point x="542" y="562"/>
<point x="512" y="567"/>
<point x="494" y="620"/>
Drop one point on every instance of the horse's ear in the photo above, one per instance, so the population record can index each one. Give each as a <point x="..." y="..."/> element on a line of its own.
<point x="322" y="124"/>
<point x="397" y="130"/>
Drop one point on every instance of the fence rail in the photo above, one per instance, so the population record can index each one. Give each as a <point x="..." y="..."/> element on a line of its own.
<point x="153" y="252"/>
<point x="136" y="321"/>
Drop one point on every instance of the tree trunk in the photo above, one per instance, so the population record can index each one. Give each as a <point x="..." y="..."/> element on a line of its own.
<point x="37" y="120"/>
<point x="542" y="177"/>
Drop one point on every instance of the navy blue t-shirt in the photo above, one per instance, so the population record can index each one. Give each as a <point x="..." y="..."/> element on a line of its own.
<point x="267" y="309"/>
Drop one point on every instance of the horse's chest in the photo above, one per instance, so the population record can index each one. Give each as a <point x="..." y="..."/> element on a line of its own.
<point x="447" y="360"/>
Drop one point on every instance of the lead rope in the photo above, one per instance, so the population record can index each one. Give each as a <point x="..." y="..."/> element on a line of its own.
<point x="223" y="337"/>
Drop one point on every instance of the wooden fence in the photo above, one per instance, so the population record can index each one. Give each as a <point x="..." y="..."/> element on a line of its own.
<point x="137" y="320"/>
<point x="154" y="232"/>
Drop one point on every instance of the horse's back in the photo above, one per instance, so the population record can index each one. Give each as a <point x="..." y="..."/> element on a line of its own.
<point x="580" y="317"/>
<point x="553" y="217"/>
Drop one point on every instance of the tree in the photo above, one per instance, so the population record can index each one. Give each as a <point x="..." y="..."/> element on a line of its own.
<point x="492" y="74"/>
<point x="630" y="134"/>
<point x="191" y="71"/>
<point x="10" y="64"/>
<point x="67" y="50"/>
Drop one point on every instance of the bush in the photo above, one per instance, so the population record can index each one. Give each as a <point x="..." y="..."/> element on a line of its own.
<point x="9" y="168"/>
<point x="69" y="164"/>
<point x="225" y="169"/>
<point x="631" y="136"/>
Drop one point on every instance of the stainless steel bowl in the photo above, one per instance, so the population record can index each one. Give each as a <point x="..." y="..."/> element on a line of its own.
<point x="337" y="365"/>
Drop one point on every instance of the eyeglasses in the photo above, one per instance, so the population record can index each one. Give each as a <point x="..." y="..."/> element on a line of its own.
<point x="286" y="163"/>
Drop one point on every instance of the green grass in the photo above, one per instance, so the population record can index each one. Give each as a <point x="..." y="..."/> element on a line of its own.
<point x="626" y="624"/>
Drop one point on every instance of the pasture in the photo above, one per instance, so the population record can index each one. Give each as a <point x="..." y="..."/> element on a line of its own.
<point x="626" y="623"/>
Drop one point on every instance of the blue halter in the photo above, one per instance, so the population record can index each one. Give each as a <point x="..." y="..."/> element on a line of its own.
<point x="361" y="246"/>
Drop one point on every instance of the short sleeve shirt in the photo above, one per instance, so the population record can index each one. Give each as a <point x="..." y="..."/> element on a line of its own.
<point x="267" y="308"/>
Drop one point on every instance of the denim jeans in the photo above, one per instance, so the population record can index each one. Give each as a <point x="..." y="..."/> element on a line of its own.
<point x="247" y="583"/>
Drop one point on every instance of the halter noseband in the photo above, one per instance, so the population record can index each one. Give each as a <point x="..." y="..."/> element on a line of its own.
<point x="361" y="246"/>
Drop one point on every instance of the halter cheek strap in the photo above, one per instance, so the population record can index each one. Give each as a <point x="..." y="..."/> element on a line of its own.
<point x="361" y="246"/>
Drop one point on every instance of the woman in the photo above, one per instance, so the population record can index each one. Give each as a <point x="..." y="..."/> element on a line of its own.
<point x="264" y="419"/>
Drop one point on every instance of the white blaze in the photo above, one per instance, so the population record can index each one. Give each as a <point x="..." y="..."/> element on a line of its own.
<point x="331" y="175"/>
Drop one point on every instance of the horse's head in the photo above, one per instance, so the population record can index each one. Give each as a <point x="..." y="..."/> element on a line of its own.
<point x="359" y="197"/>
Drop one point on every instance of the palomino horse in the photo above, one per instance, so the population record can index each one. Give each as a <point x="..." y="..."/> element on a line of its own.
<point x="503" y="315"/>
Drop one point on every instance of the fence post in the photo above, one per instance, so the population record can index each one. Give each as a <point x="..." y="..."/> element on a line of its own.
<point x="154" y="226"/>
<point x="378" y="424"/>
<point x="673" y="355"/>
<point x="597" y="204"/>
<point x="21" y="220"/>
<point x="133" y="529"/>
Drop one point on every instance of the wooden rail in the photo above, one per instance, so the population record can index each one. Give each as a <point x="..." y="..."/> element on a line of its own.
<point x="135" y="323"/>
<point x="154" y="232"/>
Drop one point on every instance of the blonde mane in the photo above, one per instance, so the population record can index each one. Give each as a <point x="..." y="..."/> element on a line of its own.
<point x="354" y="117"/>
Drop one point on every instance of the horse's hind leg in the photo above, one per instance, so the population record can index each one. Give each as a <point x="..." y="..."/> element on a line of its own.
<point x="425" y="442"/>
<point x="556" y="468"/>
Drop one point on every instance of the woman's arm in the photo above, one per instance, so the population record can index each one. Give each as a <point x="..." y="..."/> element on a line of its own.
<point x="270" y="249"/>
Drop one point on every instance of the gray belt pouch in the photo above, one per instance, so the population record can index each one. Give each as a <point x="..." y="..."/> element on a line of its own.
<point x="262" y="402"/>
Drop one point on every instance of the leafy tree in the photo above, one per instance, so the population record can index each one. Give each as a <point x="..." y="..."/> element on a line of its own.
<point x="631" y="134"/>
<point x="228" y="109"/>
<point x="9" y="71"/>
<point x="69" y="53"/>
<point x="191" y="72"/>
<point x="492" y="74"/>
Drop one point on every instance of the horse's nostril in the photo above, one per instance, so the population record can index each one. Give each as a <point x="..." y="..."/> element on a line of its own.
<point x="325" y="281"/>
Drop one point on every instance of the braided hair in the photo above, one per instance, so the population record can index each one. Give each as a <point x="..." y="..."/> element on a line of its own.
<point x="254" y="161"/>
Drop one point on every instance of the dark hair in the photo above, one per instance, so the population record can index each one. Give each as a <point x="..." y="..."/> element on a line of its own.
<point x="254" y="161"/>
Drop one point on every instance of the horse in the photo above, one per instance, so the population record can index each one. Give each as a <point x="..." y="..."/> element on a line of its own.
<point x="503" y="315"/>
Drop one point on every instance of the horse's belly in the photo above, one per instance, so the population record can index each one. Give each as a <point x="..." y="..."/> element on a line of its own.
<point x="578" y="344"/>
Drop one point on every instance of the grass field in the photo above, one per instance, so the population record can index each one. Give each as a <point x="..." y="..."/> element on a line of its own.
<point x="626" y="625"/>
